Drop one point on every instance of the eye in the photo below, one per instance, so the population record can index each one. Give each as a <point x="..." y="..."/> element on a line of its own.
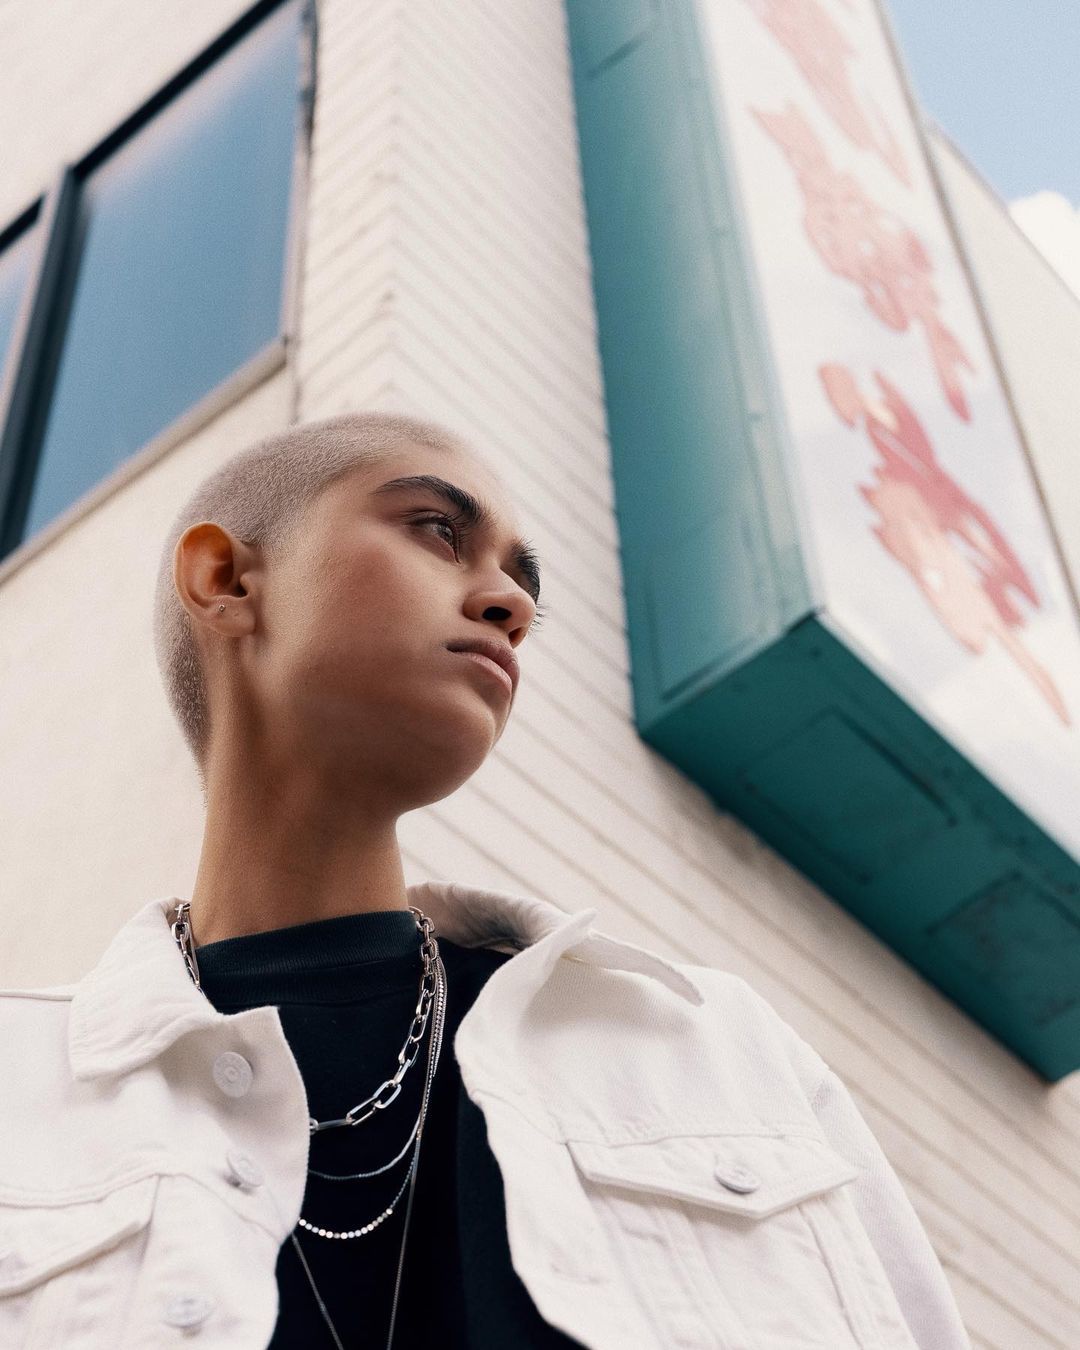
<point x="449" y="523"/>
<point x="458" y="530"/>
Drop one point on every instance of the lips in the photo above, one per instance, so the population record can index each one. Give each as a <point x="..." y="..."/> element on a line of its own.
<point x="499" y="652"/>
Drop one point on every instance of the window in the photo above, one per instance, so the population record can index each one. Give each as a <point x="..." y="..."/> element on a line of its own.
<point x="171" y="265"/>
<point x="15" y="263"/>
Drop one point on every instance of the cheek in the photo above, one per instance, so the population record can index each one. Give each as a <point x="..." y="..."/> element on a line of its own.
<point x="392" y="585"/>
<point x="343" y="654"/>
<point x="367" y="628"/>
<point x="364" y="609"/>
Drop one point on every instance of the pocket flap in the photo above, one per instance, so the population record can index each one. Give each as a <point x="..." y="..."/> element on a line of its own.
<point x="38" y="1241"/>
<point x="749" y="1174"/>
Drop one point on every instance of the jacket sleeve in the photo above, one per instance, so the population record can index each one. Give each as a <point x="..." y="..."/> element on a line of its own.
<point x="891" y="1222"/>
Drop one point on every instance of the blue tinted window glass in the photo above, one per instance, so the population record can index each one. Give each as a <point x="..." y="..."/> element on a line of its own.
<point x="180" y="279"/>
<point x="14" y="270"/>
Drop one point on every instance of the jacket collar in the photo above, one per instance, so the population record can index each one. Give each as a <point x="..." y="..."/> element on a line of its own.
<point x="139" y="998"/>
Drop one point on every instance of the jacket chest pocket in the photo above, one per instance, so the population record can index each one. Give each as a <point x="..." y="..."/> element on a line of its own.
<point x="66" y="1269"/>
<point x="742" y="1242"/>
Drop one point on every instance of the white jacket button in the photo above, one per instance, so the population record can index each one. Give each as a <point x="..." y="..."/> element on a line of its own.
<point x="737" y="1178"/>
<point x="187" y="1310"/>
<point x="232" y="1073"/>
<point x="243" y="1169"/>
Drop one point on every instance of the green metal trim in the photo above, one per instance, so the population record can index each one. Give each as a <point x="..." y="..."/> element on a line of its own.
<point x="738" y="677"/>
<point x="844" y="779"/>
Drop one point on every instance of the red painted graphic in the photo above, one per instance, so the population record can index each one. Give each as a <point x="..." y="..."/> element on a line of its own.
<point x="868" y="245"/>
<point x="952" y="549"/>
<point x="823" y="54"/>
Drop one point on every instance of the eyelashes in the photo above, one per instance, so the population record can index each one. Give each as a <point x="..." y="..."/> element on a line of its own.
<point x="459" y="526"/>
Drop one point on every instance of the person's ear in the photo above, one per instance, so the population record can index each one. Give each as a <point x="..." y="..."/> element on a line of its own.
<point x="212" y="572"/>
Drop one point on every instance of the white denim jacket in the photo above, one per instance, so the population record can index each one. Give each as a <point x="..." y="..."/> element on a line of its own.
<point x="681" y="1169"/>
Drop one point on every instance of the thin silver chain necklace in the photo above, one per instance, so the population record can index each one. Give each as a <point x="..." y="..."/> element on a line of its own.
<point x="432" y="989"/>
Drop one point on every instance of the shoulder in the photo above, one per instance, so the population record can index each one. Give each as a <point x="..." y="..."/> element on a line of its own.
<point x="34" y="1065"/>
<point x="22" y="1010"/>
<point x="747" y="1012"/>
<point x="48" y="993"/>
<point x="33" y="1028"/>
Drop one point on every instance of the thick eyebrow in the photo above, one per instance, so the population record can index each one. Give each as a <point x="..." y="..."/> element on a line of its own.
<point x="475" y="514"/>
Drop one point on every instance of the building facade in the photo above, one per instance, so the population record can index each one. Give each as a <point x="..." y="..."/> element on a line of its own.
<point x="382" y="206"/>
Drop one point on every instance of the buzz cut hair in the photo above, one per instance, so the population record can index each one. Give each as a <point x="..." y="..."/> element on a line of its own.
<point x="258" y="495"/>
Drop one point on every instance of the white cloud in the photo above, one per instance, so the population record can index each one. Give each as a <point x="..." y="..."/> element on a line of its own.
<point x="1052" y="224"/>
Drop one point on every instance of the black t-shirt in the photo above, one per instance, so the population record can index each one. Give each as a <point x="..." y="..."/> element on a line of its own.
<point x="347" y="989"/>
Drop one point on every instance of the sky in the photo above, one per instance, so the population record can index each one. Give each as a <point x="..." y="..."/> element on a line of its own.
<point x="1000" y="77"/>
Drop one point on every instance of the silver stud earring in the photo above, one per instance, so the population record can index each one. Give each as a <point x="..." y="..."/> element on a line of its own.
<point x="220" y="608"/>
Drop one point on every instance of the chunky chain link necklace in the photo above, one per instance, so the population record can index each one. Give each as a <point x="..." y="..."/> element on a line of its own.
<point x="432" y="992"/>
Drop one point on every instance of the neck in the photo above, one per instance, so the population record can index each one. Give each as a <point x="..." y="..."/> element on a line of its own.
<point x="271" y="859"/>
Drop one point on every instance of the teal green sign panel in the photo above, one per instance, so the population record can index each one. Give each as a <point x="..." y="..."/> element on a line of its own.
<point x="741" y="677"/>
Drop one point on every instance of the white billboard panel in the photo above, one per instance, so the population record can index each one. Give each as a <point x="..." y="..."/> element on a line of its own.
<point x="932" y="553"/>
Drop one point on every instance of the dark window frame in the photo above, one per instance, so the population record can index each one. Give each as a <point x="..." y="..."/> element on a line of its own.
<point x="26" y="382"/>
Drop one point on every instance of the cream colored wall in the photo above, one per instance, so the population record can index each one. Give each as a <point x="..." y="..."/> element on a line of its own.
<point x="447" y="273"/>
<point x="99" y="805"/>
